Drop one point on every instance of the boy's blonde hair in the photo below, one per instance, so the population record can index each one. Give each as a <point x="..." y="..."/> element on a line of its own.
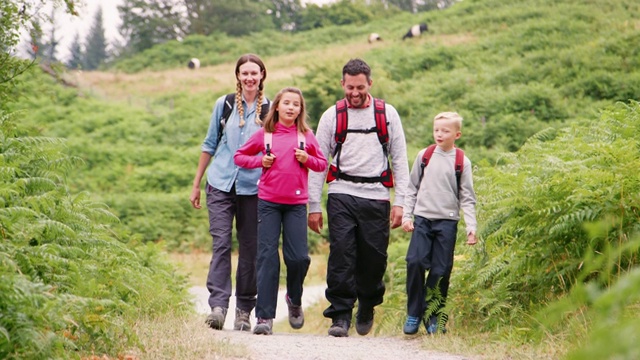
<point x="453" y="117"/>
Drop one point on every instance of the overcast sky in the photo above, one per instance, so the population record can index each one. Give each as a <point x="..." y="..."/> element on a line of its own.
<point x="69" y="25"/>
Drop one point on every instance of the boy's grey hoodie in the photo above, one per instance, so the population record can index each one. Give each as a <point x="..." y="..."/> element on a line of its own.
<point x="436" y="199"/>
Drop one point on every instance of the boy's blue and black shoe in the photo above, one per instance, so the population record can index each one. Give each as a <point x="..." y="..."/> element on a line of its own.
<point x="412" y="325"/>
<point x="432" y="326"/>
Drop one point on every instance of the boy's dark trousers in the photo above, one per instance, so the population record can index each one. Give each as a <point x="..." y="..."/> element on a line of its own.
<point x="430" y="249"/>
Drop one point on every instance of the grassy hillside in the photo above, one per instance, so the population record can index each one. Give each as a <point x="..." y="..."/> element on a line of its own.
<point x="510" y="70"/>
<point x="525" y="75"/>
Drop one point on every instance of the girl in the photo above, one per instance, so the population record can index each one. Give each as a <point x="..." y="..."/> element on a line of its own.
<point x="288" y="150"/>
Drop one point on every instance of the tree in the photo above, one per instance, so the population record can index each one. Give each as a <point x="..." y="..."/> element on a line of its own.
<point x="35" y="45"/>
<point x="427" y="5"/>
<point x="284" y="13"/>
<point x="96" y="44"/>
<point x="76" y="56"/>
<point x="405" y="5"/>
<point x="49" y="47"/>
<point x="146" y="23"/>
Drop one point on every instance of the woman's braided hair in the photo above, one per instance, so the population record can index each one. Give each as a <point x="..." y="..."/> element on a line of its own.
<point x="256" y="60"/>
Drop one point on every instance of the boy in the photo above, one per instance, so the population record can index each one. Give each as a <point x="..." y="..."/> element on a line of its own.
<point x="435" y="201"/>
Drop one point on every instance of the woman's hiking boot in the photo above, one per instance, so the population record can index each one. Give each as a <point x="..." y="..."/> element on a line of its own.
<point x="215" y="320"/>
<point x="242" y="321"/>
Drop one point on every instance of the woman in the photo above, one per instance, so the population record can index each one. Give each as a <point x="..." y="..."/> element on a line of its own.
<point x="232" y="192"/>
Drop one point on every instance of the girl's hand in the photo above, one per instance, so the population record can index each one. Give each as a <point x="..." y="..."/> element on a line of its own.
<point x="301" y="155"/>
<point x="268" y="160"/>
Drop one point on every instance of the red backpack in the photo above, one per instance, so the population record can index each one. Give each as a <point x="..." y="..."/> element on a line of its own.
<point x="458" y="167"/>
<point x="342" y="128"/>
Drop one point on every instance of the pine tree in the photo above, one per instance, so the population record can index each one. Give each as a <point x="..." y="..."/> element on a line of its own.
<point x="76" y="57"/>
<point x="49" y="48"/>
<point x="96" y="44"/>
<point x="35" y="45"/>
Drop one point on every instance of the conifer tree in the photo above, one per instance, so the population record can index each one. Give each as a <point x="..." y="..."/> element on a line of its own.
<point x="35" y="46"/>
<point x="49" y="46"/>
<point x="95" y="44"/>
<point x="76" y="56"/>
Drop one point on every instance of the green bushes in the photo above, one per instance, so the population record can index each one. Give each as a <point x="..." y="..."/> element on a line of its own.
<point x="70" y="285"/>
<point x="535" y="208"/>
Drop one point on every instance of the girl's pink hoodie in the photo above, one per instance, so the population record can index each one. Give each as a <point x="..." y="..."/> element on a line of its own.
<point x="285" y="182"/>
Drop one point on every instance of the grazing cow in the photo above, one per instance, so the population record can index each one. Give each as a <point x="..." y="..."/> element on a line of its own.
<point x="194" y="64"/>
<point x="416" y="30"/>
<point x="374" y="37"/>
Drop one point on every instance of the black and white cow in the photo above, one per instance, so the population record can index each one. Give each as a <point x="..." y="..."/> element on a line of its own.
<point x="416" y="30"/>
<point x="194" y="64"/>
<point x="373" y="37"/>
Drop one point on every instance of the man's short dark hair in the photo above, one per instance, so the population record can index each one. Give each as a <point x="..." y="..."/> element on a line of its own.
<point x="356" y="67"/>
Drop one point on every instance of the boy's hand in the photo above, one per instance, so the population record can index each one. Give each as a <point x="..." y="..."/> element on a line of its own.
<point x="268" y="160"/>
<point x="407" y="226"/>
<point x="471" y="238"/>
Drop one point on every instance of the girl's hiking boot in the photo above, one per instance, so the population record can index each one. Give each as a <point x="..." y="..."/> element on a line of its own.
<point x="263" y="327"/>
<point x="215" y="320"/>
<point x="296" y="315"/>
<point x="340" y="328"/>
<point x="242" y="321"/>
<point x="412" y="325"/>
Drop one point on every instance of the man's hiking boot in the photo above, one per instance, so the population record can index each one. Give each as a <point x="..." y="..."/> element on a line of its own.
<point x="412" y="325"/>
<point x="364" y="320"/>
<point x="215" y="320"/>
<point x="263" y="327"/>
<point x="340" y="328"/>
<point x="242" y="321"/>
<point x="296" y="315"/>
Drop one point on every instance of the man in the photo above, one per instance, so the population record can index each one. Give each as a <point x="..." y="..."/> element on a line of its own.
<point x="359" y="211"/>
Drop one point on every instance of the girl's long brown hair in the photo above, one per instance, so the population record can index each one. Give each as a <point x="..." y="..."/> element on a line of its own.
<point x="273" y="116"/>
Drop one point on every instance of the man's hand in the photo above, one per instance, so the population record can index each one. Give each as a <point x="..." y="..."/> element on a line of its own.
<point x="315" y="222"/>
<point x="396" y="216"/>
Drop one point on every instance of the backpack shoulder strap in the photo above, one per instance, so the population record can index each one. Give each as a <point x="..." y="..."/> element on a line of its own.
<point x="268" y="140"/>
<point x="381" y="122"/>
<point x="301" y="141"/>
<point x="426" y="156"/>
<point x="226" y="112"/>
<point x="459" y="166"/>
<point x="265" y="109"/>
<point x="342" y="121"/>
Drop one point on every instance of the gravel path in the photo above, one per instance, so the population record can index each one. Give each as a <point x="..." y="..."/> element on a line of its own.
<point x="285" y="346"/>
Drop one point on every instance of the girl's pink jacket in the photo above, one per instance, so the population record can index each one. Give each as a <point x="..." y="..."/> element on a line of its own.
<point x="285" y="182"/>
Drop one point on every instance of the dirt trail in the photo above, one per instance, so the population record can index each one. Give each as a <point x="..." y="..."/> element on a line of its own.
<point x="285" y="346"/>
